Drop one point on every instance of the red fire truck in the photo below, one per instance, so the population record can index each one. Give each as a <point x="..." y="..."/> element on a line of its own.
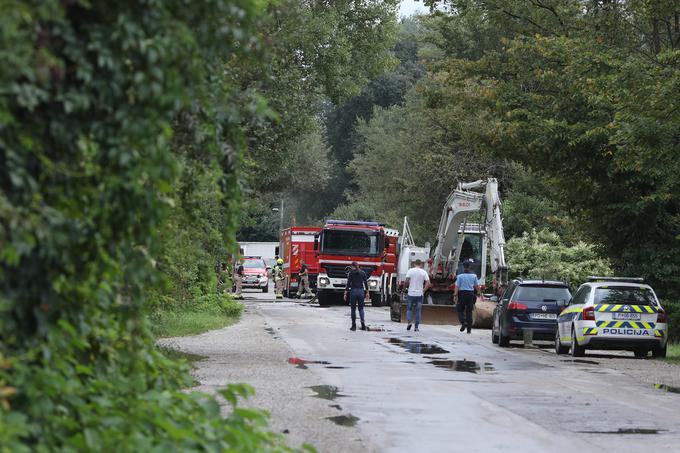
<point x="370" y="244"/>
<point x="297" y="245"/>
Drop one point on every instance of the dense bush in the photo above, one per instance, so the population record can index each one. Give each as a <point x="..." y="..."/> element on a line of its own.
<point x="90" y="93"/>
<point x="543" y="255"/>
<point x="673" y="310"/>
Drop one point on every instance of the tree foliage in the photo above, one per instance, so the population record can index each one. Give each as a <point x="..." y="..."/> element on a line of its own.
<point x="587" y="101"/>
<point x="94" y="186"/>
<point x="543" y="255"/>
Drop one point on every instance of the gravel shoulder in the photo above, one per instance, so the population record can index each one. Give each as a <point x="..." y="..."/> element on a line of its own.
<point x="251" y="351"/>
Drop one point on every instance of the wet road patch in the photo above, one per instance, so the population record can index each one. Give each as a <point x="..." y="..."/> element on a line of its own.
<point x="344" y="420"/>
<point x="589" y="362"/>
<point x="465" y="366"/>
<point x="299" y="361"/>
<point x="326" y="392"/>
<point x="627" y="431"/>
<point x="417" y="347"/>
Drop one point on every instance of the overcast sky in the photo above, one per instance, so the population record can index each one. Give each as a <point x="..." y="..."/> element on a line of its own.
<point x="408" y="7"/>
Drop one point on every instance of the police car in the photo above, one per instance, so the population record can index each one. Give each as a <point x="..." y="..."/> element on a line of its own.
<point x="612" y="313"/>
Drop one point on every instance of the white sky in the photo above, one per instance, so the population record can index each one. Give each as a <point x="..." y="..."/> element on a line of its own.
<point x="408" y="7"/>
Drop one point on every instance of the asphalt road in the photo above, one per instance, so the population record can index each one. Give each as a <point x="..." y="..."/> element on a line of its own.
<point x="438" y="390"/>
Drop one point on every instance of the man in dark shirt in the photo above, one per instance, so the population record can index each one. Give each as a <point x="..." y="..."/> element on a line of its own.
<point x="356" y="289"/>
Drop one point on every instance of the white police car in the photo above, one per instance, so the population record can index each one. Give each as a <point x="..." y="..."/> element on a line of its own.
<point x="612" y="313"/>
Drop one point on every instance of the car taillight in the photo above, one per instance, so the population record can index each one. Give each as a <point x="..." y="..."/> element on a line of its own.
<point x="514" y="305"/>
<point x="589" y="314"/>
<point x="661" y="316"/>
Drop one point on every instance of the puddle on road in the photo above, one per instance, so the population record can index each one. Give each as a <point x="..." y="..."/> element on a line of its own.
<point x="589" y="362"/>
<point x="335" y="367"/>
<point x="416" y="347"/>
<point x="344" y="420"/>
<point x="667" y="388"/>
<point x="326" y="392"/>
<point x="627" y="431"/>
<point x="466" y="366"/>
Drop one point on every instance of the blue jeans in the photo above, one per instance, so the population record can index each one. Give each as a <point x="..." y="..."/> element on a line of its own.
<point x="411" y="301"/>
<point x="356" y="296"/>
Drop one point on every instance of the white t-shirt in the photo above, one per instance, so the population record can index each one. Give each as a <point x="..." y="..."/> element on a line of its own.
<point x="417" y="278"/>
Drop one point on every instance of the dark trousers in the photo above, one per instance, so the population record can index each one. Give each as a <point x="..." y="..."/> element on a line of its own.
<point x="466" y="301"/>
<point x="356" y="296"/>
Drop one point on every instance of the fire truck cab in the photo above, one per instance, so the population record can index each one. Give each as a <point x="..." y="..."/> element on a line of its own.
<point x="370" y="244"/>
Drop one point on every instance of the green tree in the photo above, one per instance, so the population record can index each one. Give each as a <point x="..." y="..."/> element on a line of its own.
<point x="543" y="255"/>
<point x="89" y="99"/>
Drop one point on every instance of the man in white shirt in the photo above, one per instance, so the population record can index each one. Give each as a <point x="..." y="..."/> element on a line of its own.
<point x="417" y="282"/>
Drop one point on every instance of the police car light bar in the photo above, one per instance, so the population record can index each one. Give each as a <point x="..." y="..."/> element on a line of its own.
<point x="617" y="279"/>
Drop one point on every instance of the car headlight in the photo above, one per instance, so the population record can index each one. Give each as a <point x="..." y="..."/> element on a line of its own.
<point x="372" y="283"/>
<point x="323" y="281"/>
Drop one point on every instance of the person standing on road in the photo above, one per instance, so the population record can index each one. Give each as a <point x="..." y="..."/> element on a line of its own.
<point x="357" y="290"/>
<point x="238" y="279"/>
<point x="467" y="287"/>
<point x="304" y="281"/>
<point x="278" y="278"/>
<point x="417" y="282"/>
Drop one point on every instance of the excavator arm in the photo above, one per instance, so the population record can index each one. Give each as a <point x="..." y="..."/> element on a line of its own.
<point x="463" y="201"/>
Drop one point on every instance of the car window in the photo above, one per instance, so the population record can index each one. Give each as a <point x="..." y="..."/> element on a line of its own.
<point x="508" y="292"/>
<point x="581" y="295"/>
<point x="542" y="293"/>
<point x="254" y="264"/>
<point x="624" y="295"/>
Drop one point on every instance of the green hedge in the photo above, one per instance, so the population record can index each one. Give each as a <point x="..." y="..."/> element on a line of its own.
<point x="90" y="94"/>
<point x="673" y="310"/>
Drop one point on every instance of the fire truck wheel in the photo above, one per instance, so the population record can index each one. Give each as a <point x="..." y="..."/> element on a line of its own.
<point x="324" y="297"/>
<point x="376" y="300"/>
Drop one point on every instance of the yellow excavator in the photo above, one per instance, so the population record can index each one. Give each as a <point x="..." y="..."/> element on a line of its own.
<point x="457" y="240"/>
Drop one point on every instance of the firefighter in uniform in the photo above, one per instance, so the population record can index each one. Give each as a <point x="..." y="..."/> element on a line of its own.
<point x="278" y="278"/>
<point x="238" y="279"/>
<point x="305" y="290"/>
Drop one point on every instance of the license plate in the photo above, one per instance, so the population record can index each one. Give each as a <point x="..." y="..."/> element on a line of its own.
<point x="543" y="316"/>
<point x="626" y="316"/>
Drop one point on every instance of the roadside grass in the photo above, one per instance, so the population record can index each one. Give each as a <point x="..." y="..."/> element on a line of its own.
<point x="210" y="312"/>
<point x="673" y="353"/>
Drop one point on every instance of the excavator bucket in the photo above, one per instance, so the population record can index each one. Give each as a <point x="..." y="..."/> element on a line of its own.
<point x="433" y="314"/>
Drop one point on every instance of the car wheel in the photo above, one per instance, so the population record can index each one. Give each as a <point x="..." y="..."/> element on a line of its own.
<point x="494" y="335"/>
<point x="576" y="350"/>
<point x="503" y="341"/>
<point x="265" y="289"/>
<point x="659" y="351"/>
<point x="559" y="347"/>
<point x="641" y="353"/>
<point x="376" y="300"/>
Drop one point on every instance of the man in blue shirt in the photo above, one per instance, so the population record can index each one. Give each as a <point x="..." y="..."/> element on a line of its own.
<point x="467" y="288"/>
